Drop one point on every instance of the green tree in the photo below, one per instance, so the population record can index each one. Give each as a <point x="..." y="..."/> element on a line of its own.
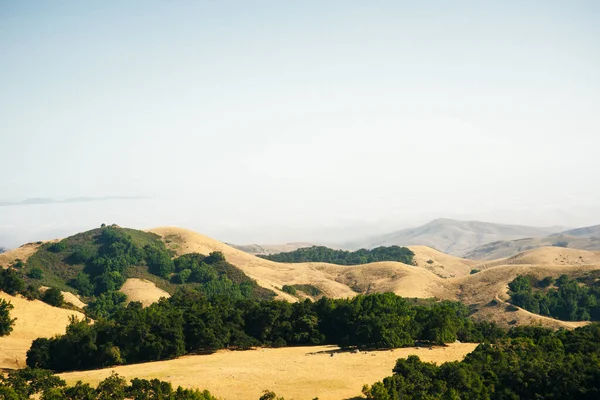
<point x="54" y="297"/>
<point x="35" y="273"/>
<point x="6" y="322"/>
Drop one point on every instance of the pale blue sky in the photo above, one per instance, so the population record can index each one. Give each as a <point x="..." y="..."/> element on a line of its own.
<point x="301" y="113"/>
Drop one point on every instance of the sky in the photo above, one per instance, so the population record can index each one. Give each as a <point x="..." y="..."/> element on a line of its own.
<point x="274" y="121"/>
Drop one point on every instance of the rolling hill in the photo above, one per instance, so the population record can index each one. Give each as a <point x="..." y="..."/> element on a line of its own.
<point x="434" y="274"/>
<point x="452" y="236"/>
<point x="478" y="290"/>
<point x="587" y="238"/>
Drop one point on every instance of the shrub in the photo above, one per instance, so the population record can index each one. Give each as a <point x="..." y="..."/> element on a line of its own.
<point x="35" y="273"/>
<point x="6" y="322"/>
<point x="474" y="271"/>
<point x="289" y="289"/>
<point x="53" y="297"/>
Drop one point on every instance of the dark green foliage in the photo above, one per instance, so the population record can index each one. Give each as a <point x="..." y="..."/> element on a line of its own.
<point x="530" y="363"/>
<point x="192" y="321"/>
<point x="82" y="284"/>
<point x="53" y="297"/>
<point x="22" y="384"/>
<point x="100" y="260"/>
<point x="474" y="271"/>
<point x="11" y="281"/>
<point x="58" y="247"/>
<point x="27" y="382"/>
<point x="6" y="322"/>
<point x="310" y="290"/>
<point x="159" y="261"/>
<point x="106" y="305"/>
<point x="570" y="301"/>
<point x="342" y="257"/>
<point x="18" y="264"/>
<point x="289" y="289"/>
<point x="35" y="273"/>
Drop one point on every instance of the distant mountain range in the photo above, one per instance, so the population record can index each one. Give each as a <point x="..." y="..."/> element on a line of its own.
<point x="46" y="200"/>
<point x="468" y="239"/>
<point x="453" y="237"/>
<point x="587" y="238"/>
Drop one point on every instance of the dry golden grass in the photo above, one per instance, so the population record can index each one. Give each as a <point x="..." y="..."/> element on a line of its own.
<point x="423" y="281"/>
<point x="294" y="372"/>
<point x="143" y="291"/>
<point x="22" y="253"/>
<point x="34" y="319"/>
<point x="441" y="264"/>
<point x="485" y="291"/>
<point x="68" y="297"/>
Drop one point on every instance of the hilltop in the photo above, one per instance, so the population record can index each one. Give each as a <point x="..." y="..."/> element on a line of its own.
<point x="451" y="236"/>
<point x="586" y="238"/>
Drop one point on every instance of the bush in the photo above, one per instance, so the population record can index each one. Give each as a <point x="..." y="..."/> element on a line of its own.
<point x="474" y="271"/>
<point x="11" y="281"/>
<point x="289" y="289"/>
<point x="35" y="273"/>
<point x="6" y="322"/>
<point x="53" y="297"/>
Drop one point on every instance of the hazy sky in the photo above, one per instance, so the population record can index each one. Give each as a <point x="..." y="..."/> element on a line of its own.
<point x="266" y="120"/>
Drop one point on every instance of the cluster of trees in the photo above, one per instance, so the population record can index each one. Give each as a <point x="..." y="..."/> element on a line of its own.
<point x="3" y="250"/>
<point x="97" y="263"/>
<point x="37" y="383"/>
<point x="530" y="363"/>
<point x="12" y="282"/>
<point x="343" y="257"/>
<point x="567" y="300"/>
<point x="310" y="290"/>
<point x="190" y="322"/>
<point x="6" y="322"/>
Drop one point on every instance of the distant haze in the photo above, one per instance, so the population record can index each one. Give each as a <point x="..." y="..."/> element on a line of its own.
<point x="278" y="121"/>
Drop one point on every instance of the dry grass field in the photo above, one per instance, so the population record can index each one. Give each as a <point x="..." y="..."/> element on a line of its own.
<point x="143" y="291"/>
<point x="34" y="319"/>
<point x="298" y="373"/>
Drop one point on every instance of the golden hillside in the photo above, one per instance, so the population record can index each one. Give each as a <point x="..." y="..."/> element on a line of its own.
<point x="434" y="274"/>
<point x="446" y="277"/>
<point x="34" y="319"/>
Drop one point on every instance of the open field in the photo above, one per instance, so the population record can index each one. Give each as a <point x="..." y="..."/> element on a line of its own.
<point x="143" y="291"/>
<point x="34" y="319"/>
<point x="298" y="373"/>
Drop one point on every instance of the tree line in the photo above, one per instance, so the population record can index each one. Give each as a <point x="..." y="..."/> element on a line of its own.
<point x="343" y="257"/>
<point x="28" y="383"/>
<point x="568" y="300"/>
<point x="189" y="322"/>
<point x="530" y="363"/>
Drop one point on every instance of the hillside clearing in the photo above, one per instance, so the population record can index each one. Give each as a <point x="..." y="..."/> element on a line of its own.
<point x="34" y="319"/>
<point x="293" y="372"/>
<point x="143" y="291"/>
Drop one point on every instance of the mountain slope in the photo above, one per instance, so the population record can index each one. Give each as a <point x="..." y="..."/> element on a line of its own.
<point x="586" y="238"/>
<point x="479" y="290"/>
<point x="34" y="319"/>
<point x="452" y="236"/>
